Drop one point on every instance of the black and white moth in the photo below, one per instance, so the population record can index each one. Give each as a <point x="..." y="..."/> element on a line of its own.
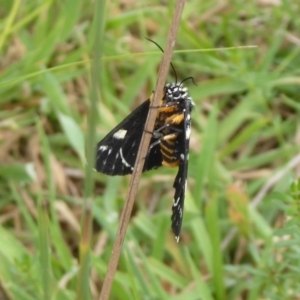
<point x="169" y="145"/>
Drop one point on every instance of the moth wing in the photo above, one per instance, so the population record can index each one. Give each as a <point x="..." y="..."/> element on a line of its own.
<point x="180" y="182"/>
<point x="117" y="151"/>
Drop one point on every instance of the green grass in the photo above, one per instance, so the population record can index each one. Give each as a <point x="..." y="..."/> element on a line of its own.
<point x="236" y="242"/>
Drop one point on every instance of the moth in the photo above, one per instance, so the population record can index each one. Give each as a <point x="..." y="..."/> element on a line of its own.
<point x="169" y="146"/>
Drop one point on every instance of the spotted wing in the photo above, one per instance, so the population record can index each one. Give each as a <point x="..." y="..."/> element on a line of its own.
<point x="180" y="182"/>
<point x="117" y="151"/>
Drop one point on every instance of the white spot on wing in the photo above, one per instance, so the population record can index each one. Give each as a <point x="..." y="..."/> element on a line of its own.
<point x="176" y="202"/>
<point x="120" y="134"/>
<point x="103" y="148"/>
<point x="188" y="132"/>
<point x="124" y="160"/>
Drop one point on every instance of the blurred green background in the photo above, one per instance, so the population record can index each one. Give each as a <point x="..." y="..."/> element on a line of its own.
<point x="240" y="237"/>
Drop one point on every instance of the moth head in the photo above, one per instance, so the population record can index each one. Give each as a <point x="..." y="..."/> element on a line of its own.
<point x="176" y="92"/>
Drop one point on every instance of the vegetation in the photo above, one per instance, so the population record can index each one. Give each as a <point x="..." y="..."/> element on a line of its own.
<point x="240" y="237"/>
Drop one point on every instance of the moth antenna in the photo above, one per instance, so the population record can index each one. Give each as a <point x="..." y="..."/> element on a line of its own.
<point x="188" y="78"/>
<point x="175" y="74"/>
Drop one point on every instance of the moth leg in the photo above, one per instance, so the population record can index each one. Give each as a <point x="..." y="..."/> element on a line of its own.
<point x="156" y="133"/>
<point x="147" y="131"/>
<point x="169" y="125"/>
<point x="165" y="138"/>
<point x="166" y="104"/>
